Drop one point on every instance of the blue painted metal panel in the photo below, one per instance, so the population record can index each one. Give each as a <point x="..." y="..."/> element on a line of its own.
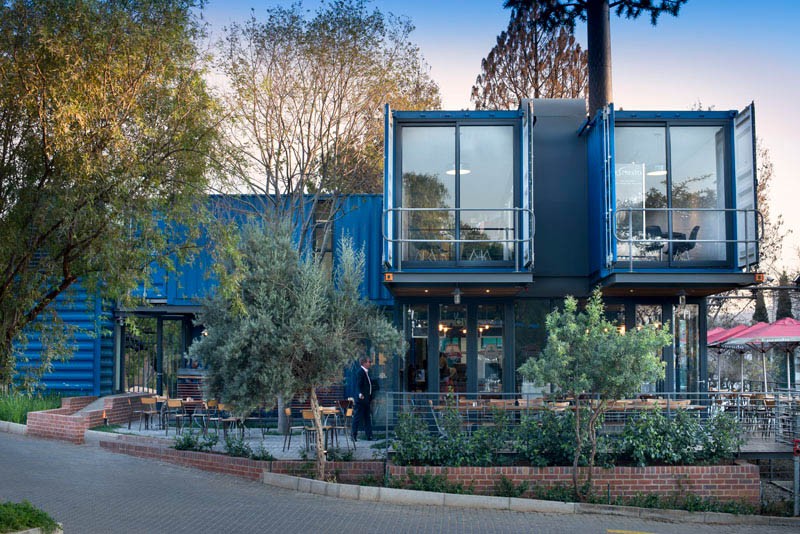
<point x="600" y="151"/>
<point x="90" y="360"/>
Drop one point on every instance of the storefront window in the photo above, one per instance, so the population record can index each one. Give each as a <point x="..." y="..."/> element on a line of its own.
<point x="687" y="348"/>
<point x="490" y="348"/>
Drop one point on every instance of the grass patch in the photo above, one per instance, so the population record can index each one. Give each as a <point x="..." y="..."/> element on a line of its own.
<point x="22" y="516"/>
<point x="15" y="407"/>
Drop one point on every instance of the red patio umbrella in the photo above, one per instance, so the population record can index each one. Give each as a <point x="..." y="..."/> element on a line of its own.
<point x="782" y="334"/>
<point x="715" y="339"/>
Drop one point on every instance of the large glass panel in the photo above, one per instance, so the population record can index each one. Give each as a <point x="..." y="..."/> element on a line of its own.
<point x="452" y="348"/>
<point x="530" y="337"/>
<point x="646" y="315"/>
<point x="486" y="192"/>
<point x="428" y="153"/>
<point x="490" y="348"/>
<point x="698" y="171"/>
<point x="641" y="190"/>
<point x="687" y="348"/>
<point x="415" y="373"/>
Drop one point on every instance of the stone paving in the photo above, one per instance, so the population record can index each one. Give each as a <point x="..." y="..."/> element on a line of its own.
<point x="91" y="490"/>
<point x="273" y="443"/>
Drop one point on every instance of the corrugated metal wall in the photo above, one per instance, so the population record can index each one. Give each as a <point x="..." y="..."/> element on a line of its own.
<point x="88" y="371"/>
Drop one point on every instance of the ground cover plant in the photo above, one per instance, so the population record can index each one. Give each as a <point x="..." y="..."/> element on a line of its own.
<point x="14" y="407"/>
<point x="22" y="516"/>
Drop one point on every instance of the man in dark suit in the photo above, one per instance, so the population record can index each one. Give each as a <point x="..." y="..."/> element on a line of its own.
<point x="361" y="418"/>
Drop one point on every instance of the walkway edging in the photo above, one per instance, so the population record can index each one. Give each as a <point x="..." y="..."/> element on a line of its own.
<point x="13" y="428"/>
<point x="413" y="497"/>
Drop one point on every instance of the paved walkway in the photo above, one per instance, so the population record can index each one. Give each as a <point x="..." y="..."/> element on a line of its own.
<point x="90" y="490"/>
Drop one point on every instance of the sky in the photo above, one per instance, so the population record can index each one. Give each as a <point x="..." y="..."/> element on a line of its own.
<point x="718" y="53"/>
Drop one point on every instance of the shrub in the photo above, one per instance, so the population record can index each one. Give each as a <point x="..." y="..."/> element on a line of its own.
<point x="189" y="441"/>
<point x="413" y="444"/>
<point x="548" y="439"/>
<point x="653" y="438"/>
<point x="721" y="439"/>
<point x="236" y="446"/>
<point x="23" y="516"/>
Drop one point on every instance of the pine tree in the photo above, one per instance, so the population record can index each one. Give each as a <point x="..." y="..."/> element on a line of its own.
<point x="784" y="308"/>
<point x="760" y="315"/>
<point x="530" y="61"/>
<point x="598" y="29"/>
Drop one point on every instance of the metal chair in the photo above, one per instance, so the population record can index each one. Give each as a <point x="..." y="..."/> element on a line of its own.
<point x="290" y="428"/>
<point x="176" y="412"/>
<point x="683" y="247"/>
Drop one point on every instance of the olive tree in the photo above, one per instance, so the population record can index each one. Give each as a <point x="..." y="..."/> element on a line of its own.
<point x="589" y="359"/>
<point x="292" y="328"/>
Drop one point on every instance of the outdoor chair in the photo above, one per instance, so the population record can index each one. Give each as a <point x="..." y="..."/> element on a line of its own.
<point x="175" y="412"/>
<point x="148" y="412"/>
<point x="310" y="431"/>
<point x="290" y="428"/>
<point x="227" y="420"/>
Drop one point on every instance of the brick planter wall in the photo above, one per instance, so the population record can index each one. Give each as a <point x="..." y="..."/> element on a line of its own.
<point x="346" y="472"/>
<point x="739" y="482"/>
<point x="67" y="424"/>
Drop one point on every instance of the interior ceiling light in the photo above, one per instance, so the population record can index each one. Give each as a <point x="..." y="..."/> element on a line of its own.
<point x="452" y="171"/>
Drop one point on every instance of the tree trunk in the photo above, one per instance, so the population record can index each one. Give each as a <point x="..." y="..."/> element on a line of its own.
<point x="320" y="436"/>
<point x="598" y="29"/>
<point x="595" y="416"/>
<point x="578" y="446"/>
<point x="6" y="365"/>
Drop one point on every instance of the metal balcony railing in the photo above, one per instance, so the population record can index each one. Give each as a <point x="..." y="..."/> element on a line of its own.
<point x="429" y="240"/>
<point x="652" y="235"/>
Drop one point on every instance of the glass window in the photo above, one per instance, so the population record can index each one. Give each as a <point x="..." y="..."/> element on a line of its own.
<point x="490" y="348"/>
<point x="486" y="192"/>
<point x="687" y="347"/>
<point x="461" y="195"/>
<point x="698" y="171"/>
<point x="668" y="200"/>
<point x="530" y="336"/>
<point x="640" y="166"/>
<point x="453" y="348"/>
<point x="647" y="314"/>
<point x="427" y="156"/>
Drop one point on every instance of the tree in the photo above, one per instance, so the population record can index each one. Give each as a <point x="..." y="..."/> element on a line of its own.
<point x="105" y="121"/>
<point x="294" y="329"/>
<point x="760" y="314"/>
<point x="596" y="14"/>
<point x="530" y="61"/>
<point x="306" y="99"/>
<point x="586" y="356"/>
<point x="784" y="308"/>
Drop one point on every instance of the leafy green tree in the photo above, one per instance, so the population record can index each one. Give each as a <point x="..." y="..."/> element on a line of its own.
<point x="598" y="28"/>
<point x="293" y="329"/>
<point x="530" y="61"/>
<point x="586" y="356"/>
<point x="760" y="314"/>
<point x="105" y="121"/>
<point x="784" y="308"/>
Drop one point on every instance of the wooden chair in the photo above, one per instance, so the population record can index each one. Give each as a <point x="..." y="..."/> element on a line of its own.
<point x="148" y="411"/>
<point x="290" y="428"/>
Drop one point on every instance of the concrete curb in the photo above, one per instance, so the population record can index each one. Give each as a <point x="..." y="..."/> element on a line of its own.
<point x="13" y="428"/>
<point x="427" y="498"/>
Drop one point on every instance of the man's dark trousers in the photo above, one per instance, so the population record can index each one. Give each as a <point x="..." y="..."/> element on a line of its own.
<point x="362" y="419"/>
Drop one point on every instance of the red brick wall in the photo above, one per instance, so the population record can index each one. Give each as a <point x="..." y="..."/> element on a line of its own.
<point x="346" y="472"/>
<point x="738" y="482"/>
<point x="66" y="425"/>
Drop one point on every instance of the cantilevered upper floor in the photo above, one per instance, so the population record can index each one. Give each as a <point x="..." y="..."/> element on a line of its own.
<point x="457" y="200"/>
<point x="672" y="200"/>
<point x="540" y="201"/>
